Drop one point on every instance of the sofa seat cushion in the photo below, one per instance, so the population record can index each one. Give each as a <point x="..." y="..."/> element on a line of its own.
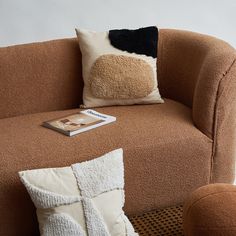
<point x="165" y="157"/>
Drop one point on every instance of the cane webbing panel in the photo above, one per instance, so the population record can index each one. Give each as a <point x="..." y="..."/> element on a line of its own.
<point x="165" y="222"/>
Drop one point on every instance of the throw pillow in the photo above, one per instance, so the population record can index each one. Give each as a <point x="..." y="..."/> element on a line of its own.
<point x="83" y="199"/>
<point x="119" y="67"/>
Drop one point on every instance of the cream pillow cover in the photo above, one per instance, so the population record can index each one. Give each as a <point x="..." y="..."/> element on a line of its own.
<point x="119" y="67"/>
<point x="84" y="199"/>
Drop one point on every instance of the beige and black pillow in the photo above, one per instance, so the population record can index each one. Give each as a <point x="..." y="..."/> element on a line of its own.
<point x="119" y="67"/>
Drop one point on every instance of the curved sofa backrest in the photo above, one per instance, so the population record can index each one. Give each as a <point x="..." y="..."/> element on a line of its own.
<point x="182" y="57"/>
<point x="47" y="76"/>
<point x="40" y="77"/>
<point x="179" y="63"/>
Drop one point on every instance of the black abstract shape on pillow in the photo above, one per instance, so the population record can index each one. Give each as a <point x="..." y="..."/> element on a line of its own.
<point x="140" y="41"/>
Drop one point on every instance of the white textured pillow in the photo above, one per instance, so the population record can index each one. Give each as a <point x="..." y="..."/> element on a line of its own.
<point x="119" y="67"/>
<point x="84" y="199"/>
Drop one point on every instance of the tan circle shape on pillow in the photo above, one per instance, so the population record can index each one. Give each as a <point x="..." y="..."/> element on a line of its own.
<point x="121" y="77"/>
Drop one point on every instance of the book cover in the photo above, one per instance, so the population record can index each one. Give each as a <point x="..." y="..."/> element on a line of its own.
<point x="79" y="122"/>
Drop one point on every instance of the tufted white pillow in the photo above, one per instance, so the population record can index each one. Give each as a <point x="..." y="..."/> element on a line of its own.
<point x="84" y="199"/>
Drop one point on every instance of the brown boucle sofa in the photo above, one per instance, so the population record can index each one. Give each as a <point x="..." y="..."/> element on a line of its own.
<point x="170" y="149"/>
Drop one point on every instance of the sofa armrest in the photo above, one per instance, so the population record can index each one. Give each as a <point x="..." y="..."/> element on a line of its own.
<point x="215" y="87"/>
<point x="214" y="108"/>
<point x="200" y="72"/>
<point x="214" y="112"/>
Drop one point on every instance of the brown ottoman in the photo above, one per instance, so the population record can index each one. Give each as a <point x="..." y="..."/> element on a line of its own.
<point x="211" y="210"/>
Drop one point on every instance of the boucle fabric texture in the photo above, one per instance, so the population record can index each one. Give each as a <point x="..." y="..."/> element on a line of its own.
<point x="97" y="188"/>
<point x="200" y="72"/>
<point x="108" y="78"/>
<point x="27" y="70"/>
<point x="156" y="140"/>
<point x="211" y="210"/>
<point x="119" y="67"/>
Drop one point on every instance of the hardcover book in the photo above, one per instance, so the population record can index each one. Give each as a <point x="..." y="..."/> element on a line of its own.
<point x="80" y="122"/>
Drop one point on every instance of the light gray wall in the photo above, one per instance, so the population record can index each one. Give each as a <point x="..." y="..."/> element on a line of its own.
<point x="23" y="21"/>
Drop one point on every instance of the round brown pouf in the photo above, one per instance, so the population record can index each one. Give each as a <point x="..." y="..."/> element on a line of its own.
<point x="211" y="211"/>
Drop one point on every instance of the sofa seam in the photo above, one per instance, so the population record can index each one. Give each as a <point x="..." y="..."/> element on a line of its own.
<point x="215" y="119"/>
<point x="160" y="58"/>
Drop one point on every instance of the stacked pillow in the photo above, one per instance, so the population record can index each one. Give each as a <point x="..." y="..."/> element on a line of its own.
<point x="119" y="67"/>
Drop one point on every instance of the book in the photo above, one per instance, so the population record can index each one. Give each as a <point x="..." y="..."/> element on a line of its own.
<point x="80" y="122"/>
